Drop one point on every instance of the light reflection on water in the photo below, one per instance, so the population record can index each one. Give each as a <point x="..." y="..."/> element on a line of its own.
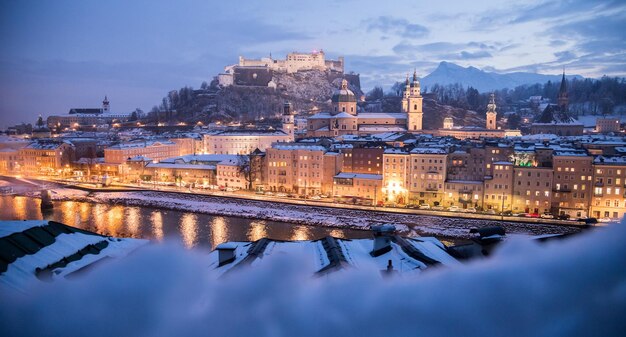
<point x="189" y="229"/>
<point x="257" y="230"/>
<point x="157" y="225"/>
<point x="193" y="230"/>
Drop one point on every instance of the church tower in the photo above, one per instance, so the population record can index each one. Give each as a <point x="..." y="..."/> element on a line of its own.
<point x="105" y="104"/>
<point x="491" y="113"/>
<point x="405" y="94"/>
<point x="563" y="96"/>
<point x="414" y="106"/>
<point x="344" y="100"/>
<point x="288" y="121"/>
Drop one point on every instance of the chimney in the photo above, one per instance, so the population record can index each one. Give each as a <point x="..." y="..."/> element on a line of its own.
<point x="382" y="239"/>
<point x="226" y="253"/>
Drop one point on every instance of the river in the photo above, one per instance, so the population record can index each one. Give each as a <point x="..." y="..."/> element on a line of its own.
<point x="193" y="230"/>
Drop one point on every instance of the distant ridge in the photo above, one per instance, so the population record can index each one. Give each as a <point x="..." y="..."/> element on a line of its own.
<point x="484" y="81"/>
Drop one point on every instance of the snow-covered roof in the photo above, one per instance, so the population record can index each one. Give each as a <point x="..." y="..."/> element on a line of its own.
<point x="349" y="175"/>
<point x="381" y="128"/>
<point x="42" y="249"/>
<point x="610" y="160"/>
<point x="297" y="146"/>
<point x="428" y="150"/>
<point x="368" y="115"/>
<point x="141" y="144"/>
<point x="409" y="256"/>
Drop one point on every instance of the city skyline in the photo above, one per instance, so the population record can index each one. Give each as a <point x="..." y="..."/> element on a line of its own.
<point x="50" y="66"/>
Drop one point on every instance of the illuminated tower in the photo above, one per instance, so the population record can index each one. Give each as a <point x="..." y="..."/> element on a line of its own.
<point x="491" y="113"/>
<point x="414" y="106"/>
<point x="288" y="120"/>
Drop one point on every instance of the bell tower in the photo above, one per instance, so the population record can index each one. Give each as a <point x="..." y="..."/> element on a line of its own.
<point x="563" y="96"/>
<point x="288" y="121"/>
<point x="105" y="104"/>
<point x="414" y="106"/>
<point x="491" y="113"/>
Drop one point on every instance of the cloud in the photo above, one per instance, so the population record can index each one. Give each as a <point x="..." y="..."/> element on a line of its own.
<point x="400" y="27"/>
<point x="477" y="55"/>
<point x="566" y="55"/>
<point x="565" y="288"/>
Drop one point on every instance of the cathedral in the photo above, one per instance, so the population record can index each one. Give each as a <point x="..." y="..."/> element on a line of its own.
<point x="344" y="119"/>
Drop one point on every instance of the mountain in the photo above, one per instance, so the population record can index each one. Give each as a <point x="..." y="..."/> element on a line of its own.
<point x="484" y="81"/>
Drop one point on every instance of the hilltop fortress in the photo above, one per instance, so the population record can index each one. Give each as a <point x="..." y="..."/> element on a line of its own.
<point x="258" y="72"/>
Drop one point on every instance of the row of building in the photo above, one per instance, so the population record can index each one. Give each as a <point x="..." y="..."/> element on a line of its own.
<point x="577" y="176"/>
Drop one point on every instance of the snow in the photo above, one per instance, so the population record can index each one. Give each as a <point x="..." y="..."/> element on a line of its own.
<point x="359" y="217"/>
<point x="523" y="289"/>
<point x="21" y="272"/>
<point x="9" y="227"/>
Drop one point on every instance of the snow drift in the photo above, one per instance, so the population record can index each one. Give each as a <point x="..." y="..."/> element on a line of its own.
<point x="566" y="288"/>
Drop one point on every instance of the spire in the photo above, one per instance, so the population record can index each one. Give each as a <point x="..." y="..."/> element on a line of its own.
<point x="407" y="79"/>
<point x="344" y="84"/>
<point x="414" y="75"/>
<point x="563" y="83"/>
<point x="491" y="107"/>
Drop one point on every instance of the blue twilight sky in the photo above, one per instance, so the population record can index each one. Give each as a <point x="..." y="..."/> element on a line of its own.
<point x="62" y="54"/>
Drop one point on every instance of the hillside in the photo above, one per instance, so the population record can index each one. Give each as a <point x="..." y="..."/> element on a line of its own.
<point x="450" y="73"/>
<point x="305" y="90"/>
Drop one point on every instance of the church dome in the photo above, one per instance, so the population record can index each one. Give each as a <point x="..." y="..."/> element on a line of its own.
<point x="344" y="94"/>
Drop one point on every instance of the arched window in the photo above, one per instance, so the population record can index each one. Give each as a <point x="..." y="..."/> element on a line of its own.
<point x="343" y="109"/>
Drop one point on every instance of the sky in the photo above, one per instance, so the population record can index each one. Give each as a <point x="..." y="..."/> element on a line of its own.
<point x="58" y="55"/>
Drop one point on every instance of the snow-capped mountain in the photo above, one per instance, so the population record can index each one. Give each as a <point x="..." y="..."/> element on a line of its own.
<point x="450" y="73"/>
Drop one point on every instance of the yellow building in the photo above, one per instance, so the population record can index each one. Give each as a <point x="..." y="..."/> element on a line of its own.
<point x="609" y="184"/>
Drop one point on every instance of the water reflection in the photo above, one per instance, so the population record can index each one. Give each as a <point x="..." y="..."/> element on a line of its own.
<point x="133" y="218"/>
<point x="189" y="229"/>
<point x="19" y="207"/>
<point x="157" y="225"/>
<point x="194" y="230"/>
<point x="219" y="231"/>
<point x="301" y="233"/>
<point x="258" y="230"/>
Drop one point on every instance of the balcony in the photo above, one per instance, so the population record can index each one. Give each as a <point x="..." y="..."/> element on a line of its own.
<point x="465" y="200"/>
<point x="432" y="189"/>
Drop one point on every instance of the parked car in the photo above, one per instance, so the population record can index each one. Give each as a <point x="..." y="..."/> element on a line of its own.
<point x="547" y="216"/>
<point x="316" y="197"/>
<point x="605" y="219"/>
<point x="437" y="208"/>
<point x="491" y="212"/>
<point x="424" y="206"/>
<point x="588" y="221"/>
<point x="532" y="215"/>
<point x="469" y="210"/>
<point x="269" y="193"/>
<point x="522" y="215"/>
<point x="564" y="217"/>
<point x="507" y="213"/>
<point x="281" y="195"/>
<point x="454" y="209"/>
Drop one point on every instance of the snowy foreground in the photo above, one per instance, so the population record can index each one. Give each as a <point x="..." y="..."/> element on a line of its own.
<point x="572" y="287"/>
<point x="407" y="224"/>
